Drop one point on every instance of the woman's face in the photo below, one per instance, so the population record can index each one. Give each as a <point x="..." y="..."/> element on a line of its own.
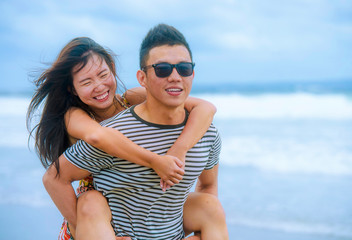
<point x="95" y="84"/>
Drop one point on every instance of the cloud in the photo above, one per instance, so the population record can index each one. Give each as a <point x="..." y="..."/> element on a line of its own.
<point x="236" y="41"/>
<point x="309" y="35"/>
<point x="279" y="30"/>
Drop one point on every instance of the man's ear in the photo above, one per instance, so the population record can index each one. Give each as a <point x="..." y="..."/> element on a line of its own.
<point x="142" y="78"/>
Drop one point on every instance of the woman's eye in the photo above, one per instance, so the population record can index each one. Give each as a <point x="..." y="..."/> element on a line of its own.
<point x="86" y="83"/>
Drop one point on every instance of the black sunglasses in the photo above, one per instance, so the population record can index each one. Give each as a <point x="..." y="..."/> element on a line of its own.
<point x="185" y="69"/>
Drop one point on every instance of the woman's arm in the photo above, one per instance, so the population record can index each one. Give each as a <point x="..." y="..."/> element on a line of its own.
<point x="80" y="126"/>
<point x="200" y="117"/>
<point x="135" y="95"/>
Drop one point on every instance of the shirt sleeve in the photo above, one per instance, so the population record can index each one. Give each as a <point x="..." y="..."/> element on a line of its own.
<point x="214" y="155"/>
<point x="87" y="157"/>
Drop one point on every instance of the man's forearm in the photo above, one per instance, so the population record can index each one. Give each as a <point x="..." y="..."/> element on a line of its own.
<point x="62" y="194"/>
<point x="207" y="189"/>
<point x="208" y="181"/>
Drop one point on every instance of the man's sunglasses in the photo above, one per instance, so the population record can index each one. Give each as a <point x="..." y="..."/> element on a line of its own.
<point x="185" y="69"/>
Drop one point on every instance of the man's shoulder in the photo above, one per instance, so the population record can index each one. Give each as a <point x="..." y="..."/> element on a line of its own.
<point x="212" y="135"/>
<point x="212" y="130"/>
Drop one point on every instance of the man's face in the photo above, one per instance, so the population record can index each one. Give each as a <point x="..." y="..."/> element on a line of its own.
<point x="170" y="91"/>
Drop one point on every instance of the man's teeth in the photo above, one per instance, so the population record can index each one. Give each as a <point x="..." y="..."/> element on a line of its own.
<point x="102" y="96"/>
<point x="173" y="90"/>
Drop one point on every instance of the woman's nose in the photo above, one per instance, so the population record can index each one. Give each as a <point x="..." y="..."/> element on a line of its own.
<point x="99" y="83"/>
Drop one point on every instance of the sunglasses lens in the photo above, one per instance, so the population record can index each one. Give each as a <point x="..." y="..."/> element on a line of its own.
<point x="163" y="70"/>
<point x="185" y="69"/>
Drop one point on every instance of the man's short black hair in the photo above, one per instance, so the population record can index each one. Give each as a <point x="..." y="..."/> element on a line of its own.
<point x="160" y="35"/>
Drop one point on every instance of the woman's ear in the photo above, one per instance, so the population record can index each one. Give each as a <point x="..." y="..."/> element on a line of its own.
<point x="113" y="67"/>
<point x="72" y="90"/>
<point x="142" y="78"/>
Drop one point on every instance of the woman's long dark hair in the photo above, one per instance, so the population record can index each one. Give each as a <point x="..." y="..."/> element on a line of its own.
<point x="55" y="93"/>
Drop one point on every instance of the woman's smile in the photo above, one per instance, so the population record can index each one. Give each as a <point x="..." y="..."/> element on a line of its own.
<point x="103" y="97"/>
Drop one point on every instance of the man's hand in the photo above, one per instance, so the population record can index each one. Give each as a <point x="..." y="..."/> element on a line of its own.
<point x="192" y="238"/>
<point x="60" y="188"/>
<point x="72" y="229"/>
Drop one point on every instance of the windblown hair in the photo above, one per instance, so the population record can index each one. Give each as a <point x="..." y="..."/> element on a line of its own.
<point x="55" y="93"/>
<point x="160" y="35"/>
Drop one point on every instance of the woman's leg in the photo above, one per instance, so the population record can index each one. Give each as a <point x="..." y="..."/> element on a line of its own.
<point x="203" y="213"/>
<point x="93" y="217"/>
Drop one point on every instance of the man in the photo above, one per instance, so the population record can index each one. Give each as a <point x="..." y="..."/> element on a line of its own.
<point x="140" y="209"/>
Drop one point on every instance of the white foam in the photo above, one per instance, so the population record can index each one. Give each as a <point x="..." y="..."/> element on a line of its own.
<point x="257" y="151"/>
<point x="16" y="191"/>
<point x="296" y="227"/>
<point x="289" y="106"/>
<point x="14" y="106"/>
<point x="13" y="131"/>
<point x="236" y="106"/>
<point x="286" y="155"/>
<point x="34" y="199"/>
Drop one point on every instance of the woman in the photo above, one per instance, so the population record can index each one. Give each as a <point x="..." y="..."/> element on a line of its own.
<point x="73" y="106"/>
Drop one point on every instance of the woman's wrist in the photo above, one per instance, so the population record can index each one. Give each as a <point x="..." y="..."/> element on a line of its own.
<point x="153" y="160"/>
<point x="178" y="150"/>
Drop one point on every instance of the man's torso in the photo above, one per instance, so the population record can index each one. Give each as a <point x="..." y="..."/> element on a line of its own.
<point x="139" y="207"/>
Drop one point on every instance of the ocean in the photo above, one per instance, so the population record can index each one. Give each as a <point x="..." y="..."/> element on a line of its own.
<point x="285" y="170"/>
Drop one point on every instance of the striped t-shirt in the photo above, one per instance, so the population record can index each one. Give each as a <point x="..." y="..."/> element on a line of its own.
<point x="140" y="209"/>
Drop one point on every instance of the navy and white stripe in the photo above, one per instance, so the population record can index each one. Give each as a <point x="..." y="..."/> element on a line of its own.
<point x="140" y="209"/>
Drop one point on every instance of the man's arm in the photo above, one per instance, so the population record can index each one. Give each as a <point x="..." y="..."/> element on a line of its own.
<point x="60" y="188"/>
<point x="208" y="181"/>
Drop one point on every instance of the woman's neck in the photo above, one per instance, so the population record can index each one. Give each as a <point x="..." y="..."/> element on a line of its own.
<point x="103" y="114"/>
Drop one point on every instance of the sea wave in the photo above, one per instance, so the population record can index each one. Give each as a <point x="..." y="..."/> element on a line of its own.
<point x="284" y="106"/>
<point x="13" y="106"/>
<point x="34" y="199"/>
<point x="336" y="230"/>
<point x="317" y="156"/>
<point x="13" y="131"/>
<point x="237" y="106"/>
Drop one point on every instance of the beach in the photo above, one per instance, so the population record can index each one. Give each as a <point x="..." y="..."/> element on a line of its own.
<point x="285" y="169"/>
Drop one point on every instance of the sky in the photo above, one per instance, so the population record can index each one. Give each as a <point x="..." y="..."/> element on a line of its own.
<point x="232" y="41"/>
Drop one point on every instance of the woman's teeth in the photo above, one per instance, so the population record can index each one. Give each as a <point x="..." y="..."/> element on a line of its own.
<point x="102" y="96"/>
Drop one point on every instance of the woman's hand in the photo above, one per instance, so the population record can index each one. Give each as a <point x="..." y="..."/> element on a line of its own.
<point x="170" y="169"/>
<point x="181" y="155"/>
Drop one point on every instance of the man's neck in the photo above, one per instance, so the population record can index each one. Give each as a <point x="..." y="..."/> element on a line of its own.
<point x="160" y="114"/>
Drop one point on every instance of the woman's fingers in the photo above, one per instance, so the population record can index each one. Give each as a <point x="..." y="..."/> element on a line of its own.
<point x="180" y="172"/>
<point x="180" y="163"/>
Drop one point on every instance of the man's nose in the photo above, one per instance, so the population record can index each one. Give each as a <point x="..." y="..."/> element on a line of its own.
<point x="174" y="76"/>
